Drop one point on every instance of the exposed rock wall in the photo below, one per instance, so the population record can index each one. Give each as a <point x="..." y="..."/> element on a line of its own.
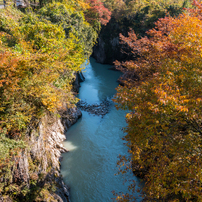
<point x="37" y="168"/>
<point x="108" y="49"/>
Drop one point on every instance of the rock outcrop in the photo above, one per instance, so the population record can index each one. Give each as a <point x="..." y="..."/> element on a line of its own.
<point x="78" y="79"/>
<point x="37" y="168"/>
<point x="108" y="49"/>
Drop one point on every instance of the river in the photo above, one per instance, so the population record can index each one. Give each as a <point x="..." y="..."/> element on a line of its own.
<point x="95" y="142"/>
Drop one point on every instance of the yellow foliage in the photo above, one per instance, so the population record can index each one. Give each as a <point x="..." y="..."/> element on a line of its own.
<point x="37" y="65"/>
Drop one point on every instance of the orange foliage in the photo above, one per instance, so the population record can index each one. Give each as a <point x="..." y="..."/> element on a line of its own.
<point x="163" y="92"/>
<point x="97" y="12"/>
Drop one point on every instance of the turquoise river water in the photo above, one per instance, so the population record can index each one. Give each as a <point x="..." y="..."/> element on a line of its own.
<point x="95" y="143"/>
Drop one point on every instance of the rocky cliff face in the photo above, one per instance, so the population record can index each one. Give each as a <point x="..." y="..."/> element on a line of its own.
<point x="37" y="168"/>
<point x="78" y="79"/>
<point x="108" y="49"/>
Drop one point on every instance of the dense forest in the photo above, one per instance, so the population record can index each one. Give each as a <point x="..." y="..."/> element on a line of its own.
<point x="162" y="90"/>
<point x="41" y="49"/>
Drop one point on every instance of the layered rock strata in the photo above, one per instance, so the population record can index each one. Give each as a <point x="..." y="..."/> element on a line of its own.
<point x="37" y="168"/>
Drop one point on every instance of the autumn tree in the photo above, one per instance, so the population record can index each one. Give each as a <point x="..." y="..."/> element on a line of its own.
<point x="97" y="14"/>
<point x="162" y="90"/>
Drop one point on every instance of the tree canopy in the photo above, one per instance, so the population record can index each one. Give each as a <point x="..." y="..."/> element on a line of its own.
<point x="163" y="93"/>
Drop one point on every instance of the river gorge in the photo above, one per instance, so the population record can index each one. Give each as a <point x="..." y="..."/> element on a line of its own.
<point x="94" y="142"/>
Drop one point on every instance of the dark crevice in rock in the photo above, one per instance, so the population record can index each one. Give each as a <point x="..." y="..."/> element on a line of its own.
<point x="79" y="77"/>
